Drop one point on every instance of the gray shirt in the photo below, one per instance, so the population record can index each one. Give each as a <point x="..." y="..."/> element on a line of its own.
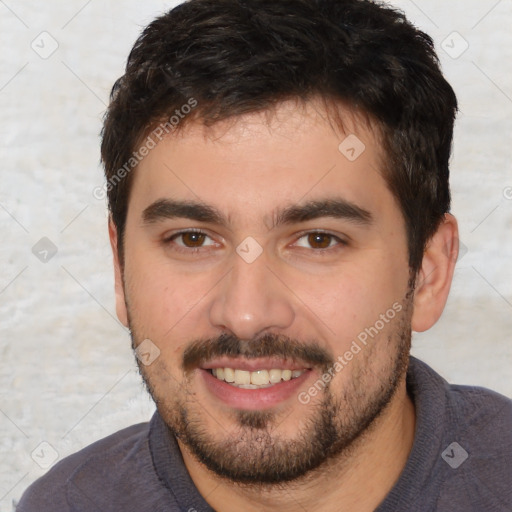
<point x="461" y="461"/>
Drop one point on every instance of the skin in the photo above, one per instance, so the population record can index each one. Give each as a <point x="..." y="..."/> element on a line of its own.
<point x="249" y="169"/>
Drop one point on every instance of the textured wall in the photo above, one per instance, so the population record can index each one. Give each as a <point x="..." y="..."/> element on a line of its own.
<point x="67" y="376"/>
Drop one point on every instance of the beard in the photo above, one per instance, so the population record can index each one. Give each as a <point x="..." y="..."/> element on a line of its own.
<point x="254" y="452"/>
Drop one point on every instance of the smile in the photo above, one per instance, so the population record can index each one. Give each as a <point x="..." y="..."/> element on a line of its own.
<point x="254" y="384"/>
<point x="258" y="379"/>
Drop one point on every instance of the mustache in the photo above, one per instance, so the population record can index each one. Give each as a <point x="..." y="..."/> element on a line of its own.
<point x="268" y="345"/>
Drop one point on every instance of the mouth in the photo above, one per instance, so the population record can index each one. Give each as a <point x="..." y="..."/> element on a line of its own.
<point x="258" y="379"/>
<point x="254" y="384"/>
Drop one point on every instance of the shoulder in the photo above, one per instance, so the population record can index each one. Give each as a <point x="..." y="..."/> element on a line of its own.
<point x="478" y="455"/>
<point x="480" y="416"/>
<point x="461" y="458"/>
<point x="462" y="406"/>
<point x="98" y="461"/>
<point x="479" y="409"/>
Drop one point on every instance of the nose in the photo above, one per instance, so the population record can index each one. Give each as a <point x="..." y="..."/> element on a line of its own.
<point x="251" y="300"/>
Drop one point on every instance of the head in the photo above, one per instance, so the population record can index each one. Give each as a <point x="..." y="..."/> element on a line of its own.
<point x="277" y="178"/>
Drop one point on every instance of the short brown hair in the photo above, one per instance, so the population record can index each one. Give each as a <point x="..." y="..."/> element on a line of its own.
<point x="239" y="56"/>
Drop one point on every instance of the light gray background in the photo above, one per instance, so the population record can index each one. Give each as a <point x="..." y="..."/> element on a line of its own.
<point x="67" y="375"/>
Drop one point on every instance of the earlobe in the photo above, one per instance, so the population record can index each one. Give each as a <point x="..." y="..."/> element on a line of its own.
<point x="435" y="276"/>
<point x="118" y="275"/>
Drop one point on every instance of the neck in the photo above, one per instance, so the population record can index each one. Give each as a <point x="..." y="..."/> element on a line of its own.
<point x="358" y="480"/>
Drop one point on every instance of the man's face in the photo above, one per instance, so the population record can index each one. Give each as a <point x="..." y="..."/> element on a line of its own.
<point x="260" y="251"/>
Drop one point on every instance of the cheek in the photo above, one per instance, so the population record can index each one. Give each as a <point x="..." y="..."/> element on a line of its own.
<point x="158" y="290"/>
<point x="353" y="299"/>
<point x="166" y="306"/>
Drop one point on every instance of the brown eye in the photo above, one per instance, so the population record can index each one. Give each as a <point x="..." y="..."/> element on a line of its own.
<point x="319" y="240"/>
<point x="191" y="242"/>
<point x="193" y="239"/>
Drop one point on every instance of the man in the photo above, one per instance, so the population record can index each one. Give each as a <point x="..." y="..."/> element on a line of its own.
<point x="277" y="177"/>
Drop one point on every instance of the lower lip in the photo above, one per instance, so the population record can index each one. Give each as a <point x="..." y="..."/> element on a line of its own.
<point x="253" y="399"/>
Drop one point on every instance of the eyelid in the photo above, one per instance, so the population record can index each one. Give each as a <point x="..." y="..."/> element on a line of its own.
<point x="342" y="241"/>
<point x="174" y="234"/>
<point x="168" y="239"/>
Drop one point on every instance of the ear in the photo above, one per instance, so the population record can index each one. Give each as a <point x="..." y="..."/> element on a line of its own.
<point x="435" y="276"/>
<point x="118" y="274"/>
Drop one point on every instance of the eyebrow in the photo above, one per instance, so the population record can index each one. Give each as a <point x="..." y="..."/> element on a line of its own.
<point x="170" y="209"/>
<point x="337" y="208"/>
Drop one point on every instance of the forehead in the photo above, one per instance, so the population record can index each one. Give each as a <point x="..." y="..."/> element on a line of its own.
<point x="251" y="165"/>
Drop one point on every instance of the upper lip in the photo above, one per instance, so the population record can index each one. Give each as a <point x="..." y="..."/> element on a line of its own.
<point x="252" y="365"/>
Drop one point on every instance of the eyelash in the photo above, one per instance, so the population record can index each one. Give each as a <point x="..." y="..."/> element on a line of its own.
<point x="182" y="249"/>
<point x="340" y="243"/>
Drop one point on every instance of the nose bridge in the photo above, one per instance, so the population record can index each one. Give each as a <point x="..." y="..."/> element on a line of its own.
<point x="251" y="300"/>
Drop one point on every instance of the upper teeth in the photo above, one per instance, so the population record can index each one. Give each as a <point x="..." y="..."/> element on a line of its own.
<point x="259" y="378"/>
